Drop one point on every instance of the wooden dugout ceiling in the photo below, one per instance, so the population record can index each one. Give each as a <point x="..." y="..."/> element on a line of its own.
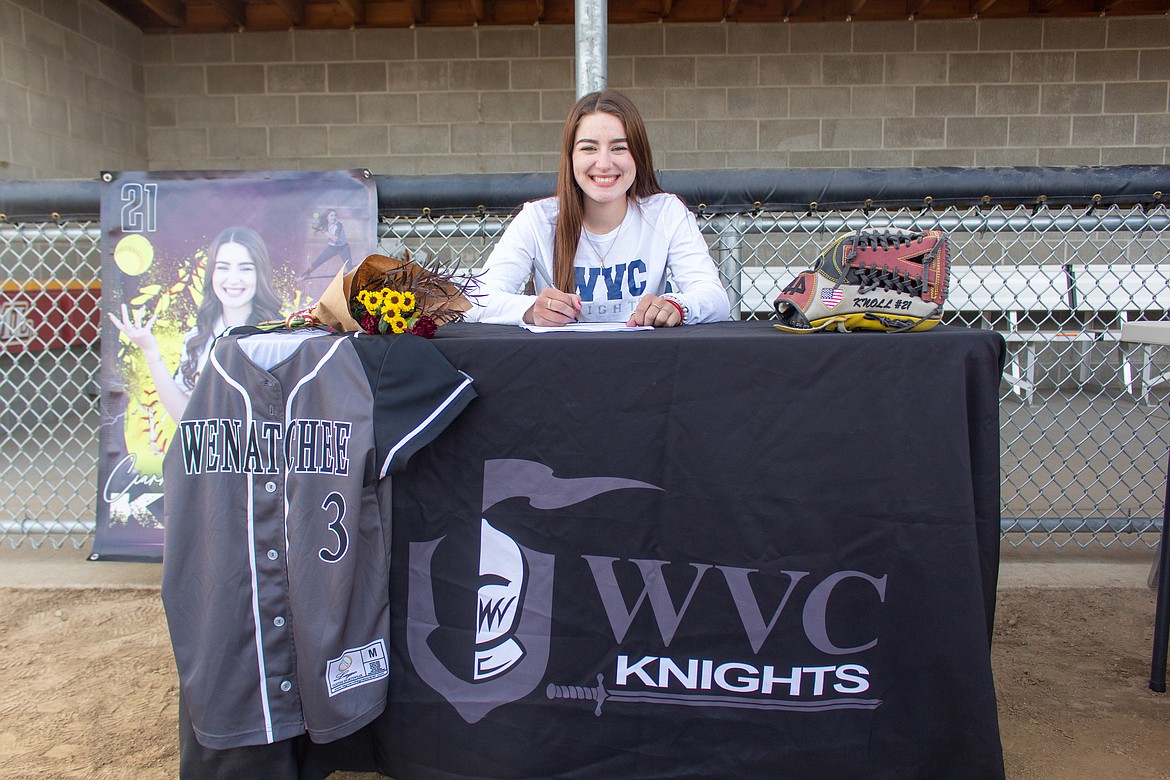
<point x="209" y="16"/>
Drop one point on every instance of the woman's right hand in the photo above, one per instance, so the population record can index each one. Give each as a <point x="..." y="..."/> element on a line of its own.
<point x="139" y="333"/>
<point x="554" y="308"/>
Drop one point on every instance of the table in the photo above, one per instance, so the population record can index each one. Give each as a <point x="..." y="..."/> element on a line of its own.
<point x="717" y="551"/>
<point x="1152" y="334"/>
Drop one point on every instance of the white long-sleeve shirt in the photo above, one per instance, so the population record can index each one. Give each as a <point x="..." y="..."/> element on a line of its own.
<point x="657" y="238"/>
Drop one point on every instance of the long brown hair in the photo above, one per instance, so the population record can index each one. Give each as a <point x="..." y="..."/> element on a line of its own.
<point x="265" y="305"/>
<point x="570" y="198"/>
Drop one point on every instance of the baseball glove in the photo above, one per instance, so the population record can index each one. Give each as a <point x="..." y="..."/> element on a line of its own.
<point x="887" y="280"/>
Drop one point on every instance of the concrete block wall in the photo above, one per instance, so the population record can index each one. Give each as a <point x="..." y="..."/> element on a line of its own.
<point x="491" y="99"/>
<point x="1092" y="91"/>
<point x="72" y="99"/>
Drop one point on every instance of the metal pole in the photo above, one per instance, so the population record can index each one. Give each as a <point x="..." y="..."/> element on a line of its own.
<point x="591" y="23"/>
<point x="1162" y="609"/>
<point x="731" y="269"/>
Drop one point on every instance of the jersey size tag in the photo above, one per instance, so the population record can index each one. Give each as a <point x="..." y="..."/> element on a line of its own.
<point x="357" y="666"/>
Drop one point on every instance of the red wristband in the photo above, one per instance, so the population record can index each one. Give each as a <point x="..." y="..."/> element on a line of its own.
<point x="676" y="305"/>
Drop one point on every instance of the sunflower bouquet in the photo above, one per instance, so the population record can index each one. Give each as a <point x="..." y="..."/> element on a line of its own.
<point x="387" y="311"/>
<point x="389" y="295"/>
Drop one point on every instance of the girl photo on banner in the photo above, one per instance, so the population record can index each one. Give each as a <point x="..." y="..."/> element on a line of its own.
<point x="186" y="256"/>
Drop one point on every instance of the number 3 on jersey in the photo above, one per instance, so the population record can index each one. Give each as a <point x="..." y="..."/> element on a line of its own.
<point x="335" y="502"/>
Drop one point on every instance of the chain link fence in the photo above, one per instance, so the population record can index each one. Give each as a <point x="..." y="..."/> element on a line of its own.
<point x="1083" y="416"/>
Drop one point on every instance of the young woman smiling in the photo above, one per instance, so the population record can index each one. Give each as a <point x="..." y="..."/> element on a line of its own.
<point x="237" y="290"/>
<point x="610" y="246"/>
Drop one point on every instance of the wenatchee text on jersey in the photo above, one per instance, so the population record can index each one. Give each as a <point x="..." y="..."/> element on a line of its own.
<point x="226" y="445"/>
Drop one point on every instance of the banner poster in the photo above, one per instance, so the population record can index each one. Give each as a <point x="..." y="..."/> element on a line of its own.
<point x="186" y="255"/>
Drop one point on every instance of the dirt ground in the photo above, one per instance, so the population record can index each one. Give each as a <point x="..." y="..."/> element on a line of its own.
<point x="88" y="687"/>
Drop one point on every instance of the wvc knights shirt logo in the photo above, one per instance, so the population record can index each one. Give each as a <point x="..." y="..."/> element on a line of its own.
<point x="513" y="616"/>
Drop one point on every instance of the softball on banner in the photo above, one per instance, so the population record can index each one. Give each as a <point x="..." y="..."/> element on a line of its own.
<point x="148" y="432"/>
<point x="134" y="254"/>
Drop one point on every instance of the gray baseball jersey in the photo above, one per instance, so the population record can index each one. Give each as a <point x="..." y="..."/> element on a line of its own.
<point x="276" y="551"/>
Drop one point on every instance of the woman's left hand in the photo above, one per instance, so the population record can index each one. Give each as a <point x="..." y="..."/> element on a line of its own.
<point x="656" y="311"/>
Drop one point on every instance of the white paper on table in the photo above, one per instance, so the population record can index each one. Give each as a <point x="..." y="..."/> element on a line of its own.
<point x="588" y="327"/>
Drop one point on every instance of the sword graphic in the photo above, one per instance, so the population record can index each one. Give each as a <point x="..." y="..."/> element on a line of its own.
<point x="600" y="695"/>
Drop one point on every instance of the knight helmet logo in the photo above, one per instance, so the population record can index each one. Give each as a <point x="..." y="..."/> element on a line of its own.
<point x="501" y="572"/>
<point x="513" y="609"/>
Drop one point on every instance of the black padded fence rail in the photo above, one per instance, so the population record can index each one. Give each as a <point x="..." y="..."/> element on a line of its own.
<point x="709" y="191"/>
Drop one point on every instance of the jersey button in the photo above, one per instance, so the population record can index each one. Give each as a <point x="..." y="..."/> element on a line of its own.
<point x="273" y="555"/>
<point x="278" y="622"/>
<point x="286" y="686"/>
<point x="270" y="487"/>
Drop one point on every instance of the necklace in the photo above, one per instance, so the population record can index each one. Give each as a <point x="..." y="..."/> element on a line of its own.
<point x="612" y="242"/>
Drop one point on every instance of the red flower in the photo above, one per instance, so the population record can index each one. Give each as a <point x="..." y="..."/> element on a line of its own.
<point x="424" y="327"/>
<point x="369" y="323"/>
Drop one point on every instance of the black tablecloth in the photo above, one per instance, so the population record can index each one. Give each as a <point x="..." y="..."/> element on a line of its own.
<point x="716" y="551"/>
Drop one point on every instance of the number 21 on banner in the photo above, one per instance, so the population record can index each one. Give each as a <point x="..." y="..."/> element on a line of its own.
<point x="140" y="209"/>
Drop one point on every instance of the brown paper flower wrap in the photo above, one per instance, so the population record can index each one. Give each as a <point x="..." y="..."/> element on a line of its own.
<point x="389" y="295"/>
